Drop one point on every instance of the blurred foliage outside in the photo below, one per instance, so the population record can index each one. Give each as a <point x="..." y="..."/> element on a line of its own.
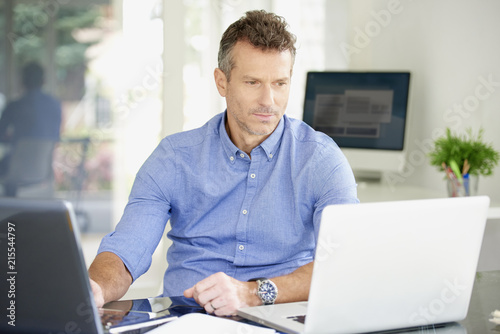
<point x="29" y="42"/>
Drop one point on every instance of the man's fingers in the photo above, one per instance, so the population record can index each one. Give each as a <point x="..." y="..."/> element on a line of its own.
<point x="189" y="293"/>
<point x="208" y="282"/>
<point x="225" y="311"/>
<point x="97" y="292"/>
<point x="206" y="296"/>
<point x="209" y="308"/>
<point x="204" y="290"/>
<point x="217" y="294"/>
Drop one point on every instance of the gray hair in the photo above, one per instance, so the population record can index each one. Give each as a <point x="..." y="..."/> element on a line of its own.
<point x="263" y="30"/>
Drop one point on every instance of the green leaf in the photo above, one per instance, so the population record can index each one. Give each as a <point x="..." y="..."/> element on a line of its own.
<point x="481" y="156"/>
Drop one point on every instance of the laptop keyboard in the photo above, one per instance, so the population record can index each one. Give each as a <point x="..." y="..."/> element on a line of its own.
<point x="298" y="318"/>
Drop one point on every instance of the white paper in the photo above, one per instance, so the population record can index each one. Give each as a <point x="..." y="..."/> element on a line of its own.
<point x="207" y="324"/>
<point x="496" y="317"/>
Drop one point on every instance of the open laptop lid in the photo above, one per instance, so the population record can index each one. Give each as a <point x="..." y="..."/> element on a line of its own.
<point x="42" y="270"/>
<point x="393" y="265"/>
<point x="388" y="265"/>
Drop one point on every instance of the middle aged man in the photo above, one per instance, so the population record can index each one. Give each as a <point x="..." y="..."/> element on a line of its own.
<point x="244" y="193"/>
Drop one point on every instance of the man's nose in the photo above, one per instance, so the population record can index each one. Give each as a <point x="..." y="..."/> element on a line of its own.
<point x="266" y="97"/>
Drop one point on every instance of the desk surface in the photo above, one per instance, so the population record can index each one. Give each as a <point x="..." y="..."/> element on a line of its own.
<point x="376" y="192"/>
<point x="484" y="300"/>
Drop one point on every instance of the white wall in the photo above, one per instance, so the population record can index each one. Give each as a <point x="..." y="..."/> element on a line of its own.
<point x="451" y="47"/>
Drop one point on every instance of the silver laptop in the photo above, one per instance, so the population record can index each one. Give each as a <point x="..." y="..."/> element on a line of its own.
<point x="43" y="278"/>
<point x="388" y="265"/>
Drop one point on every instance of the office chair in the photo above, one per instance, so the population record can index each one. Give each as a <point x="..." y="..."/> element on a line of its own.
<point x="30" y="165"/>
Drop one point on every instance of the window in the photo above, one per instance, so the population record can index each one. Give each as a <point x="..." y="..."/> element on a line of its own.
<point x="109" y="65"/>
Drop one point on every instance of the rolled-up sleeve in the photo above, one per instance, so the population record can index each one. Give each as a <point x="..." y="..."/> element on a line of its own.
<point x="145" y="216"/>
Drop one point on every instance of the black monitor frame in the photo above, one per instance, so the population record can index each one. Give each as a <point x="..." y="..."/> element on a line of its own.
<point x="385" y="133"/>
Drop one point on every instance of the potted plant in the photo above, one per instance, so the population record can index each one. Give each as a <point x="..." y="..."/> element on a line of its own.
<point x="463" y="158"/>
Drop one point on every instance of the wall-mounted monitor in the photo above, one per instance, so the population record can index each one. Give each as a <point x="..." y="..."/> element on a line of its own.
<point x="365" y="113"/>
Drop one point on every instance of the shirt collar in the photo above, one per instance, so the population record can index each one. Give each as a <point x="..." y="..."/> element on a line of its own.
<point x="270" y="145"/>
<point x="230" y="149"/>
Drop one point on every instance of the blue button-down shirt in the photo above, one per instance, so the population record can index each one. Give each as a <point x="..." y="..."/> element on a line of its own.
<point x="247" y="217"/>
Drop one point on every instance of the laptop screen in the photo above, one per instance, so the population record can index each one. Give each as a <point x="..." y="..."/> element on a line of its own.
<point x="44" y="273"/>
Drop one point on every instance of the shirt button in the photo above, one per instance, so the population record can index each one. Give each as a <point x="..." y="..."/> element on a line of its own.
<point x="252" y="176"/>
<point x="270" y="156"/>
<point x="241" y="247"/>
<point x="242" y="155"/>
<point x="231" y="158"/>
<point x="244" y="212"/>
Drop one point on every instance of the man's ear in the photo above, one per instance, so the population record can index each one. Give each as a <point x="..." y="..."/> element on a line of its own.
<point x="220" y="81"/>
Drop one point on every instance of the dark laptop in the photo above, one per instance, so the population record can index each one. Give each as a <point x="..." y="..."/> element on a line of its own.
<point x="44" y="282"/>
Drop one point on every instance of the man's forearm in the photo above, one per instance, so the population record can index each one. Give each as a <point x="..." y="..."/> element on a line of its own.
<point x="224" y="295"/>
<point x="110" y="273"/>
<point x="294" y="286"/>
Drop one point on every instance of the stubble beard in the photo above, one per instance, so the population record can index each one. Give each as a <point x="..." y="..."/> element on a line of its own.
<point x="245" y="127"/>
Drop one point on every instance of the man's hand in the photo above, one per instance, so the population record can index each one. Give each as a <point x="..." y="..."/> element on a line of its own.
<point x="223" y="295"/>
<point x="97" y="291"/>
<point x="109" y="278"/>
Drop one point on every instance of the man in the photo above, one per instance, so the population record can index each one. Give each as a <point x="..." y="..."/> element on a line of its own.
<point x="36" y="115"/>
<point x="244" y="193"/>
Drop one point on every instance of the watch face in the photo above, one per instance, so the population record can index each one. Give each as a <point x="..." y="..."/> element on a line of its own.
<point x="268" y="292"/>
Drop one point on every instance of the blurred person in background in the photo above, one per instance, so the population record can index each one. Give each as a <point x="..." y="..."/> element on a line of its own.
<point x="35" y="115"/>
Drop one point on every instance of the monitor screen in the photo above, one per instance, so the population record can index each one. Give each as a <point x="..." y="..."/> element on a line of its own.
<point x="366" y="110"/>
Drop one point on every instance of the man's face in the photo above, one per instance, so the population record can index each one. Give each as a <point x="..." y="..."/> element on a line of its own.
<point x="257" y="94"/>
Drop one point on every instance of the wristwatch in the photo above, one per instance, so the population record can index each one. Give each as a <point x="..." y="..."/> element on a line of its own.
<point x="267" y="291"/>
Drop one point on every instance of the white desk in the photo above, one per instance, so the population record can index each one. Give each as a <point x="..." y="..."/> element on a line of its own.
<point x="382" y="192"/>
